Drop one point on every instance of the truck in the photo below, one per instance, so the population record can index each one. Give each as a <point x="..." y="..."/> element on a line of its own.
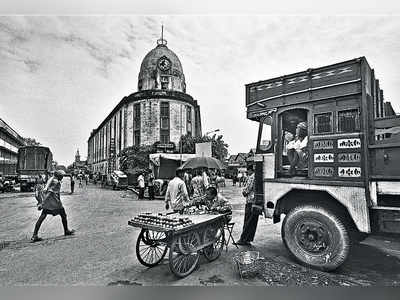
<point x="348" y="186"/>
<point x="32" y="162"/>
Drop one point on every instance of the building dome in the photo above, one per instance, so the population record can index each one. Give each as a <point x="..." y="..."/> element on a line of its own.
<point x="161" y="69"/>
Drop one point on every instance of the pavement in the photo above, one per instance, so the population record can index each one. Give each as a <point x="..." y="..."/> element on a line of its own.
<point x="102" y="252"/>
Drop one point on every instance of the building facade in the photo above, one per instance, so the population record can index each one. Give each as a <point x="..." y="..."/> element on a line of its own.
<point x="160" y="112"/>
<point x="10" y="141"/>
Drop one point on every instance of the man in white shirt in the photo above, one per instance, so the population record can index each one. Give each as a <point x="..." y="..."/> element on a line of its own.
<point x="177" y="194"/>
<point x="141" y="186"/>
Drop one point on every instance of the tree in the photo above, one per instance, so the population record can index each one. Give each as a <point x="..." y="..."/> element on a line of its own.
<point x="135" y="158"/>
<point x="219" y="148"/>
<point x="31" y="142"/>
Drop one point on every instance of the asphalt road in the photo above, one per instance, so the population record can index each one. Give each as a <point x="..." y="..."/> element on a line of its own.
<point x="103" y="250"/>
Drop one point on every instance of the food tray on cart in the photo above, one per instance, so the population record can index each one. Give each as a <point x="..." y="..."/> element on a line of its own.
<point x="177" y="223"/>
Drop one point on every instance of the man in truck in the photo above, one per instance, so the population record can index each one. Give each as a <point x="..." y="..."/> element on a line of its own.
<point x="297" y="149"/>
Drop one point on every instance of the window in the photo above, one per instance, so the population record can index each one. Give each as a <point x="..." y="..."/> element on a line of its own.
<point x="164" y="82"/>
<point x="323" y="123"/>
<point x="264" y="138"/>
<point x="348" y="120"/>
<point x="189" y="120"/>
<point x="164" y="122"/>
<point x="136" y="124"/>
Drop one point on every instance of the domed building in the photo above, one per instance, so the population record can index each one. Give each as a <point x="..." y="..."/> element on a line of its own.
<point x="159" y="113"/>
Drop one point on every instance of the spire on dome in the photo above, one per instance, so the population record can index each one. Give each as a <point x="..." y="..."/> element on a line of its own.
<point x="162" y="41"/>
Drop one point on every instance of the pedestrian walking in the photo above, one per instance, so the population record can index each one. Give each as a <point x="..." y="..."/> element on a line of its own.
<point x="150" y="185"/>
<point x="141" y="185"/>
<point x="52" y="205"/>
<point x="80" y="180"/>
<point x="252" y="211"/>
<point x="86" y="179"/>
<point x="72" y="184"/>
<point x="177" y="194"/>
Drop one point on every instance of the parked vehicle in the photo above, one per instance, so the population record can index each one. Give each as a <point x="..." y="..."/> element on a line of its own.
<point x="349" y="185"/>
<point x="118" y="180"/>
<point x="33" y="161"/>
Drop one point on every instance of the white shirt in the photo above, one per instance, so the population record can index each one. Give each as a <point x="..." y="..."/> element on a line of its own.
<point x="141" y="181"/>
<point x="177" y="194"/>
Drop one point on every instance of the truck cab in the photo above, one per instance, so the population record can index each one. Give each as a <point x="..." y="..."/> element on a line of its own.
<point x="327" y="159"/>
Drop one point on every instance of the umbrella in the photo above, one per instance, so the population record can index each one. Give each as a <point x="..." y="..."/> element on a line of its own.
<point x="203" y="162"/>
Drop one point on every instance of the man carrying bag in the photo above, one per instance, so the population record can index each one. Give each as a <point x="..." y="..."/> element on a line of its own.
<point x="51" y="204"/>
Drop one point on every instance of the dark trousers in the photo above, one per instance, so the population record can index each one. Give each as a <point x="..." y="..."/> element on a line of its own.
<point x="43" y="216"/>
<point x="249" y="224"/>
<point x="151" y="192"/>
<point x="141" y="193"/>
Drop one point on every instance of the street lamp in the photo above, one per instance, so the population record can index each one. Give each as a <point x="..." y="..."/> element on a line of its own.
<point x="212" y="131"/>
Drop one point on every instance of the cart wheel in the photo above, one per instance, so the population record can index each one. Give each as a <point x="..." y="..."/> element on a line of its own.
<point x="213" y="251"/>
<point x="151" y="247"/>
<point x="183" y="254"/>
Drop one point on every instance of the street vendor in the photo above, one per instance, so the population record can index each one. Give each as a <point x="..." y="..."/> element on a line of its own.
<point x="213" y="201"/>
<point x="177" y="194"/>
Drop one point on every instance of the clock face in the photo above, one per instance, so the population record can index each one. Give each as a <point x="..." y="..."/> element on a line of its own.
<point x="164" y="64"/>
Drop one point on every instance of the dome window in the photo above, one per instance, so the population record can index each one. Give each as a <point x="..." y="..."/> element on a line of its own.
<point x="164" y="82"/>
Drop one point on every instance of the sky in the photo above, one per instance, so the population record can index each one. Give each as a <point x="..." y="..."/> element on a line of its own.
<point x="60" y="76"/>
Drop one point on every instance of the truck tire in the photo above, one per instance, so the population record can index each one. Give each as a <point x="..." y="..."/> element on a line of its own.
<point x="316" y="237"/>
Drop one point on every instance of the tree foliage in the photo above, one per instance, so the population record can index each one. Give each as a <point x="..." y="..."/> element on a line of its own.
<point x="31" y="142"/>
<point x="219" y="148"/>
<point x="135" y="158"/>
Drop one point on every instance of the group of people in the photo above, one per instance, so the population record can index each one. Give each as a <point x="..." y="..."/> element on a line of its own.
<point x="184" y="191"/>
<point x="240" y="177"/>
<point x="177" y="198"/>
<point x="142" y="184"/>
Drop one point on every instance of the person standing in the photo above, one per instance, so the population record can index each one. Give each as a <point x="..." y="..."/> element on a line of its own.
<point x="197" y="184"/>
<point x="177" y="194"/>
<point x="150" y="185"/>
<point x="72" y="184"/>
<point x="52" y="205"/>
<point x="141" y="185"/>
<point x="251" y="213"/>
<point x="239" y="178"/>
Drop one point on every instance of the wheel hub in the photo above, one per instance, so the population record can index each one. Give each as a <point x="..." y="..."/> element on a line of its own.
<point x="313" y="237"/>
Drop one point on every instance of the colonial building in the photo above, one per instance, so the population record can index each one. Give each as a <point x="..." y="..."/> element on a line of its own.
<point x="160" y="112"/>
<point x="10" y="141"/>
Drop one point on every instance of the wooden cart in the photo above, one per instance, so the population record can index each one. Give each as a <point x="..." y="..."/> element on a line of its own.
<point x="205" y="236"/>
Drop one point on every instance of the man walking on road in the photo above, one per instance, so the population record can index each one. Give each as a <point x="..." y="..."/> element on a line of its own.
<point x="252" y="211"/>
<point x="52" y="205"/>
<point x="177" y="193"/>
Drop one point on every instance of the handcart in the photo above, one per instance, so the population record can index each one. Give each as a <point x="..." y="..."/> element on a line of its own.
<point x="205" y="235"/>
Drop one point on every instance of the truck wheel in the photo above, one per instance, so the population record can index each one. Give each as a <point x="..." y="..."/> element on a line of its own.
<point x="315" y="237"/>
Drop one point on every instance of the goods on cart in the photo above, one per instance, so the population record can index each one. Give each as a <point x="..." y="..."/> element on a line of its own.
<point x="163" y="221"/>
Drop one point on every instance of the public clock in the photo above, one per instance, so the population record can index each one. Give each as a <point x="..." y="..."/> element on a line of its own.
<point x="164" y="64"/>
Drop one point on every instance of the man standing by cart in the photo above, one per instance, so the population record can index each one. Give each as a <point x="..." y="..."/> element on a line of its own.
<point x="252" y="211"/>
<point x="177" y="194"/>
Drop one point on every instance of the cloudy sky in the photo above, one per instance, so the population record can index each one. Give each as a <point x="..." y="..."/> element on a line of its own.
<point x="61" y="76"/>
